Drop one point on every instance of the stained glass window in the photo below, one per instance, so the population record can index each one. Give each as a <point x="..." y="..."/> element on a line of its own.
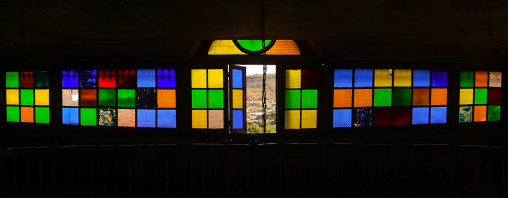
<point x="207" y="98"/>
<point x="27" y="96"/>
<point x="384" y="97"/>
<point x="253" y="47"/>
<point x="301" y="98"/>
<point x="480" y="96"/>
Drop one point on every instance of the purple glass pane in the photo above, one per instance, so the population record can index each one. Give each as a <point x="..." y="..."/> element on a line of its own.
<point x="88" y="78"/>
<point x="70" y="78"/>
<point x="166" y="78"/>
<point x="439" y="78"/>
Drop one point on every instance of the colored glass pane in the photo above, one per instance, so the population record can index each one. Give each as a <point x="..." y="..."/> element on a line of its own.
<point x="480" y="96"/>
<point x="42" y="115"/>
<point x="11" y="79"/>
<point x="107" y="117"/>
<point x="107" y="97"/>
<point x="342" y="97"/>
<point x="237" y="78"/>
<point x="147" y="98"/>
<point x="215" y="98"/>
<point x="363" y="97"/>
<point x="363" y="78"/>
<point x="42" y="79"/>
<point x="494" y="112"/>
<point x="466" y="114"/>
<point x="88" y="78"/>
<point x="421" y="97"/>
<point x="309" y="99"/>
<point x="292" y="119"/>
<point x="284" y="47"/>
<point x="107" y="78"/>
<point x="166" y="118"/>
<point x="127" y="98"/>
<point x="402" y="78"/>
<point x="401" y="115"/>
<point x="382" y="97"/>
<point x="237" y="99"/>
<point x="166" y="98"/>
<point x="198" y="78"/>
<point x="437" y="115"/>
<point x="402" y="97"/>
<point x="293" y="78"/>
<point x="26" y="80"/>
<point x="363" y="117"/>
<point x="126" y="78"/>
<point x="27" y="96"/>
<point x="421" y="78"/>
<point x="466" y="78"/>
<point x="42" y="97"/>
<point x="494" y="96"/>
<point x="199" y="119"/>
<point x="146" y="118"/>
<point x="382" y="78"/>
<point x="70" y="97"/>
<point x="237" y="119"/>
<point x="12" y="113"/>
<point x="215" y="78"/>
<point x="216" y="119"/>
<point x="199" y="98"/>
<point x="12" y="96"/>
<point x="481" y="78"/>
<point x="309" y="79"/>
<point x="70" y="78"/>
<point x="342" y="118"/>
<point x="343" y="78"/>
<point x="88" y="116"/>
<point x="309" y="119"/>
<point x="224" y="47"/>
<point x="495" y="79"/>
<point x="480" y="113"/>
<point x="253" y="45"/>
<point x="27" y="114"/>
<point x="146" y="77"/>
<point x="382" y="116"/>
<point x="70" y="116"/>
<point x="293" y="99"/>
<point x="420" y="115"/>
<point x="439" y="78"/>
<point x="126" y="117"/>
<point x="466" y="96"/>
<point x="166" y="78"/>
<point x="439" y="96"/>
<point x="88" y="97"/>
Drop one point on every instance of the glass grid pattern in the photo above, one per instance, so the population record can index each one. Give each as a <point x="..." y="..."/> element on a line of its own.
<point x="27" y="96"/>
<point x="480" y="96"/>
<point x="301" y="98"/>
<point x="207" y="98"/>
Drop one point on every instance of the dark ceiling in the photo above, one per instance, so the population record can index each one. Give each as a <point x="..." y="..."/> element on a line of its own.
<point x="417" y="30"/>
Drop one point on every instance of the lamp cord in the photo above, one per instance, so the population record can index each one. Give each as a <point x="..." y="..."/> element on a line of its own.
<point x="263" y="31"/>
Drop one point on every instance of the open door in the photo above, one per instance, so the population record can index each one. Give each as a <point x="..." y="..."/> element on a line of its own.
<point x="238" y="104"/>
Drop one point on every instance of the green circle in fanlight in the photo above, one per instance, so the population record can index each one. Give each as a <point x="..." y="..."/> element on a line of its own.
<point x="253" y="45"/>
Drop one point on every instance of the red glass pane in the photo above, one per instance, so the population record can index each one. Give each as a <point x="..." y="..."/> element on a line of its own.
<point x="127" y="78"/>
<point x="107" y="78"/>
<point x="382" y="116"/>
<point x="494" y="96"/>
<point x="88" y="97"/>
<point x="402" y="116"/>
<point x="26" y="79"/>
<point x="309" y="79"/>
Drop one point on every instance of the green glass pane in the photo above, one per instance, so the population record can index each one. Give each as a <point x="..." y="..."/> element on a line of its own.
<point x="88" y="116"/>
<point x="382" y="97"/>
<point x="42" y="79"/>
<point x="126" y="98"/>
<point x="107" y="97"/>
<point x="402" y="97"/>
<point x="494" y="113"/>
<point x="480" y="96"/>
<point x="12" y="114"/>
<point x="41" y="114"/>
<point x="27" y="96"/>
<point x="11" y="79"/>
<point x="293" y="99"/>
<point x="466" y="79"/>
<point x="198" y="98"/>
<point x="253" y="45"/>
<point x="309" y="99"/>
<point x="215" y="98"/>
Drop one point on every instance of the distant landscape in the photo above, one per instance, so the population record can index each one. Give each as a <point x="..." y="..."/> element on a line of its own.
<point x="254" y="103"/>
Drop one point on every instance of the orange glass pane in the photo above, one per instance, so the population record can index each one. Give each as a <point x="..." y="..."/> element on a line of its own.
<point x="27" y="114"/>
<point x="363" y="98"/>
<point x="481" y="78"/>
<point x="88" y="97"/>
<point x="126" y="117"/>
<point x="166" y="98"/>
<point x="480" y="113"/>
<point x="284" y="47"/>
<point x="439" y="96"/>
<point x="342" y="97"/>
<point x="420" y="97"/>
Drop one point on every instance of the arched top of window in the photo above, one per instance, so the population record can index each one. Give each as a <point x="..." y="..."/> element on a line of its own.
<point x="253" y="47"/>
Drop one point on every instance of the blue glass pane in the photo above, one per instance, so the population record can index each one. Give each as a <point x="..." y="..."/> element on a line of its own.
<point x="237" y="79"/>
<point x="70" y="78"/>
<point x="237" y="119"/>
<point x="146" y="117"/>
<point x="70" y="116"/>
<point x="343" y="78"/>
<point x="363" y="78"/>
<point x="342" y="117"/>
<point x="166" y="118"/>
<point x="421" y="78"/>
<point x="437" y="115"/>
<point x="88" y="78"/>
<point x="166" y="78"/>
<point x="363" y="117"/>
<point x="420" y="115"/>
<point x="439" y="78"/>
<point x="146" y="77"/>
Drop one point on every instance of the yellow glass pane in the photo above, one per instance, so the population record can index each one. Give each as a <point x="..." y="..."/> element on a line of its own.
<point x="216" y="119"/>
<point x="126" y="118"/>
<point x="466" y="96"/>
<point x="284" y="47"/>
<point x="237" y="99"/>
<point x="12" y="96"/>
<point x="293" y="78"/>
<point x="309" y="119"/>
<point x="342" y="97"/>
<point x="292" y="119"/>
<point x="215" y="78"/>
<point x="363" y="98"/>
<point x="382" y="78"/>
<point x="402" y="78"/>
<point x="27" y="114"/>
<point x="480" y="113"/>
<point x="198" y="78"/>
<point x="166" y="98"/>
<point x="438" y="97"/>
<point x="224" y="47"/>
<point x="42" y="97"/>
<point x="199" y="119"/>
